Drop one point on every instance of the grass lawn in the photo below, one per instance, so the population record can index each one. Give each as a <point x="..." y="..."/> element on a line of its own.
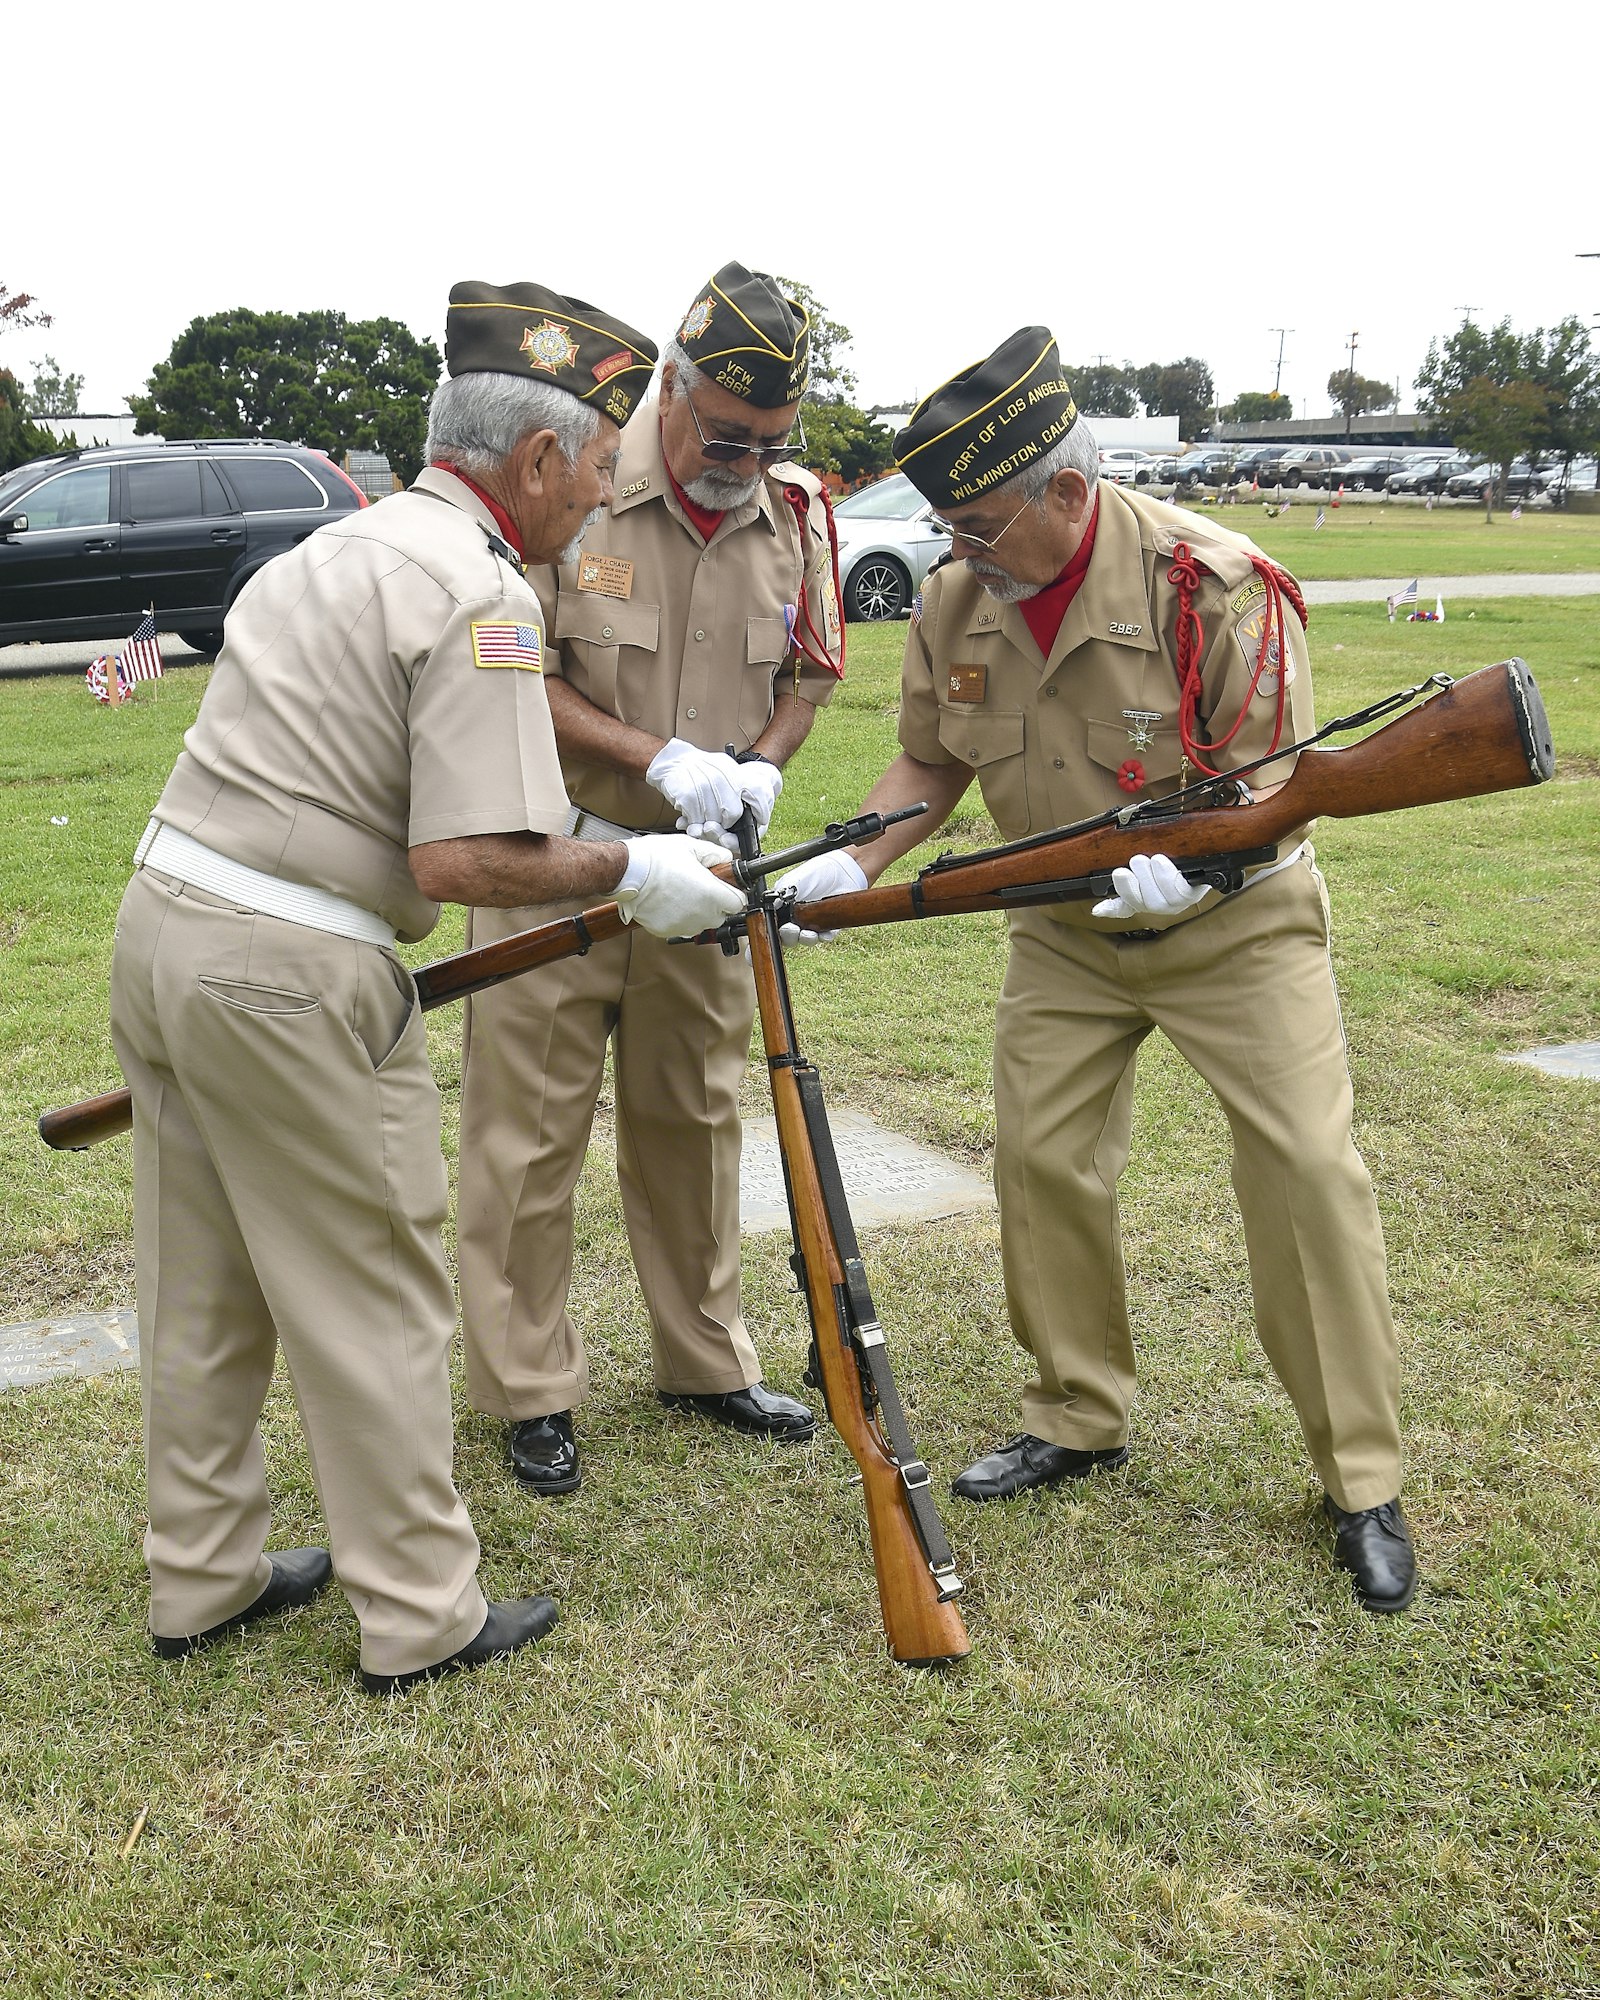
<point x="1372" y="538"/>
<point x="1179" y="1762"/>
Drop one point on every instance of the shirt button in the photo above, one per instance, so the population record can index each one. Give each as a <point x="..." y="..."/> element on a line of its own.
<point x="1049" y="690"/>
<point x="699" y="635"/>
<point x="605" y="631"/>
<point x="691" y="713"/>
<point x="1061" y="764"/>
<point x="973" y="755"/>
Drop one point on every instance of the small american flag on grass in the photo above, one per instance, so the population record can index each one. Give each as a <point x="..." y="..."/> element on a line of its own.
<point x="1406" y="596"/>
<point x="507" y="645"/>
<point x="141" y="660"/>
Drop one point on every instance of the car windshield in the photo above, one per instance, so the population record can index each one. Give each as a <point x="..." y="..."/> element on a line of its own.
<point x="891" y="499"/>
<point x="24" y="476"/>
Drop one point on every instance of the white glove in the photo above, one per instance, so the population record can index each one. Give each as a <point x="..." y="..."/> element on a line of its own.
<point x="823" y="875"/>
<point x="1150" y="886"/>
<point x="667" y="886"/>
<point x="759" y="786"/>
<point x="704" y="785"/>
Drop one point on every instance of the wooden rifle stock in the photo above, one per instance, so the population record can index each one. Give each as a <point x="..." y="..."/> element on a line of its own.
<point x="1485" y="733"/>
<point x="917" y="1584"/>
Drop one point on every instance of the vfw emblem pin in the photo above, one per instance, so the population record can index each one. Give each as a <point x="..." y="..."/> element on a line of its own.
<point x="549" y="346"/>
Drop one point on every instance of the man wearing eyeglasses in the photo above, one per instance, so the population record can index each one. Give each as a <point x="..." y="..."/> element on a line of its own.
<point x="702" y="612"/>
<point x="1088" y="648"/>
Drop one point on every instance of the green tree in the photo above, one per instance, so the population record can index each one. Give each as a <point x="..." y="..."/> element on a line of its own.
<point x="1503" y="394"/>
<point x="1256" y="406"/>
<point x="315" y="378"/>
<point x="1102" y="391"/>
<point x="831" y="381"/>
<point x="1352" y="394"/>
<point x="52" y="394"/>
<point x="19" y="309"/>
<point x="19" y="440"/>
<point x="1182" y="389"/>
<point x="840" y="437"/>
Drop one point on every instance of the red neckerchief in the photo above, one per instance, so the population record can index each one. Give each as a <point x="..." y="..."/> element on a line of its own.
<point x="1045" y="612"/>
<point x="502" y="519"/>
<point x="707" y="523"/>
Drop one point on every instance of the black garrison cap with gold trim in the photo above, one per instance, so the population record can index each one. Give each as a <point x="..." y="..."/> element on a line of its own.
<point x="988" y="423"/>
<point x="531" y="331"/>
<point x="748" y="338"/>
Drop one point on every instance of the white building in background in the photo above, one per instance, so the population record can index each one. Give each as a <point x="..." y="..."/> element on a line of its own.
<point x="92" y="427"/>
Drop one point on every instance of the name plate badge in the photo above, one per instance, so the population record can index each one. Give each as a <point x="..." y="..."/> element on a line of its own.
<point x="610" y="576"/>
<point x="968" y="684"/>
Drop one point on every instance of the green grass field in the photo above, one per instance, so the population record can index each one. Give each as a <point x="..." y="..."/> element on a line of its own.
<point x="1178" y="1762"/>
<point x="1370" y="538"/>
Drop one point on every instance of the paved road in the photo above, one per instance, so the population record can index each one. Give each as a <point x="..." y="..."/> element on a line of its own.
<point x="73" y="658"/>
<point x="1364" y="590"/>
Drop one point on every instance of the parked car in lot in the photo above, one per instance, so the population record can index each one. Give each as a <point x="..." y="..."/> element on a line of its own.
<point x="1521" y="482"/>
<point x="1247" y="465"/>
<point x="1206" y="466"/>
<point x="887" y="545"/>
<point x="1125" y="466"/>
<point x="1370" y="472"/>
<point x="90" y="539"/>
<point x="1428" y="475"/>
<point x="1307" y="465"/>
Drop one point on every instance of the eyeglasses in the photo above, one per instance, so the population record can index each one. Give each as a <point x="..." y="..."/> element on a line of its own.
<point x="723" y="451"/>
<point x="943" y="527"/>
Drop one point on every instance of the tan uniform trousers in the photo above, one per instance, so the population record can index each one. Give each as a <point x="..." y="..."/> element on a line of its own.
<point x="534" y="1059"/>
<point x="1246" y="995"/>
<point x="289" y="1189"/>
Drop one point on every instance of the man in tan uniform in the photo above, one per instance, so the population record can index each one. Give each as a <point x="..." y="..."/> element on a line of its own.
<point x="1093" y="647"/>
<point x="375" y="737"/>
<point x="702" y="612"/>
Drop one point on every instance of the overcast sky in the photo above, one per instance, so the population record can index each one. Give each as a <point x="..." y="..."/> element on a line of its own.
<point x="1149" y="182"/>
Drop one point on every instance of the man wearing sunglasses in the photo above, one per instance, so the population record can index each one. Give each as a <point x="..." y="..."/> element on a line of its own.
<point x="702" y="612"/>
<point x="1089" y="647"/>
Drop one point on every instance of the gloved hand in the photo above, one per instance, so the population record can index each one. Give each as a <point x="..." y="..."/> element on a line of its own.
<point x="760" y="784"/>
<point x="667" y="886"/>
<point x="704" y="785"/>
<point x="823" y="875"/>
<point x="1150" y="886"/>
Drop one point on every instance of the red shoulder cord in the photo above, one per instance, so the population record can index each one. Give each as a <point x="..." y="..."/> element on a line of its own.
<point x="1186" y="573"/>
<point x="817" y="653"/>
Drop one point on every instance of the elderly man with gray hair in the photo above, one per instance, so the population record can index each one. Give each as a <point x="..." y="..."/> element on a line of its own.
<point x="703" y="612"/>
<point x="375" y="739"/>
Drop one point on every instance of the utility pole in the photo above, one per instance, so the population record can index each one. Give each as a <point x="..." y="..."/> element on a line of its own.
<point x="1281" y="332"/>
<point x="1466" y="312"/>
<point x="1350" y="386"/>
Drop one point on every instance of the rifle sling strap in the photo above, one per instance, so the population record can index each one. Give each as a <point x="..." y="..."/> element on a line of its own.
<point x="857" y="1311"/>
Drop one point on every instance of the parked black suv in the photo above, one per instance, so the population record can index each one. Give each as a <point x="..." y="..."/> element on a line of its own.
<point x="91" y="539"/>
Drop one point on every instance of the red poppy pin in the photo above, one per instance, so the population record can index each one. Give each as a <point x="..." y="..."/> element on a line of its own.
<point x="1131" y="776"/>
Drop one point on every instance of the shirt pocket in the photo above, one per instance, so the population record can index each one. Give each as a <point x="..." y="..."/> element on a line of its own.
<point x="766" y="644"/>
<point x="992" y="744"/>
<point x="1157" y="766"/>
<point x="593" y="632"/>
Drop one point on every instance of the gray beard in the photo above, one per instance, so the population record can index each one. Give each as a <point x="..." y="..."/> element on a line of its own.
<point x="721" y="492"/>
<point x="570" y="553"/>
<point x="1003" y="588"/>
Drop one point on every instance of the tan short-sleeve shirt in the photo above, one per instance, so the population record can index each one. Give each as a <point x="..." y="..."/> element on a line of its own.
<point x="683" y="637"/>
<point x="1052" y="740"/>
<point x="379" y="687"/>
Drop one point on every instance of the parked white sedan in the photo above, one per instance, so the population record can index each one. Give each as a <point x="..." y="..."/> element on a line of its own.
<point x="887" y="545"/>
<point x="1127" y="467"/>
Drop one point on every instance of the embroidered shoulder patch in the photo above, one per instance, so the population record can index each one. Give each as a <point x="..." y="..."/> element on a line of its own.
<point x="1248" y="632"/>
<point x="496" y="644"/>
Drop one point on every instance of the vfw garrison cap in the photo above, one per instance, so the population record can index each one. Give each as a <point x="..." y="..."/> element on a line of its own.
<point x="749" y="338"/>
<point x="988" y="423"/>
<point x="531" y="331"/>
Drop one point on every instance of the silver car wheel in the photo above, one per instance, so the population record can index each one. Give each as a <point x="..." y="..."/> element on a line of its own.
<point x="878" y="589"/>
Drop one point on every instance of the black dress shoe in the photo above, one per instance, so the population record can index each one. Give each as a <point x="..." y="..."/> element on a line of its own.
<point x="758" y="1411"/>
<point x="1025" y="1462"/>
<point x="297" y="1576"/>
<point x="507" y="1628"/>
<point x="544" y="1453"/>
<point x="1374" y="1544"/>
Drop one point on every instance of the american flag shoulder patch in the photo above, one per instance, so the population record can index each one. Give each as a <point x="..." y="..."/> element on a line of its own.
<point x="498" y="644"/>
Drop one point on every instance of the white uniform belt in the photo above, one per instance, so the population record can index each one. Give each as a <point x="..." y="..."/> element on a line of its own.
<point x="1272" y="867"/>
<point x="186" y="859"/>
<point x="585" y="825"/>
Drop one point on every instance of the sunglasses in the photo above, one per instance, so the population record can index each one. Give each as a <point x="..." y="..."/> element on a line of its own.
<point x="723" y="451"/>
<point x="943" y="527"/>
